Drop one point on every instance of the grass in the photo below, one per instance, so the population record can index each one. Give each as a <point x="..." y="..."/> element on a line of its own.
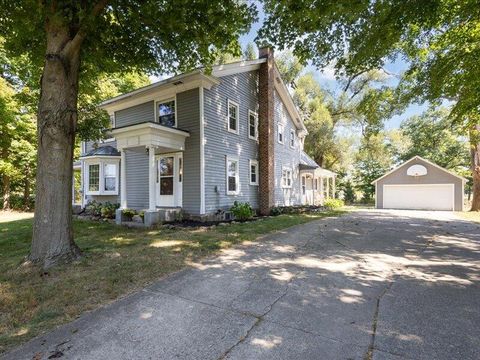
<point x="116" y="261"/>
<point x="470" y="215"/>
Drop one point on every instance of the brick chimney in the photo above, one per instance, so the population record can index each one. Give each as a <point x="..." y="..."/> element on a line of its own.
<point x="266" y="131"/>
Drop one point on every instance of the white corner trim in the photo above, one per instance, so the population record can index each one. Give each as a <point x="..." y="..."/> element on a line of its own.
<point x="202" y="152"/>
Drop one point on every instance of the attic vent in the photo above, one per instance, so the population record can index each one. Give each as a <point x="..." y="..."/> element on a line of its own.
<point x="417" y="170"/>
<point x="178" y="82"/>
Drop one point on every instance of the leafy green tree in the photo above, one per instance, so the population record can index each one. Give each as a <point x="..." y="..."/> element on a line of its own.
<point x="250" y="53"/>
<point x="433" y="136"/>
<point x="439" y="39"/>
<point x="75" y="41"/>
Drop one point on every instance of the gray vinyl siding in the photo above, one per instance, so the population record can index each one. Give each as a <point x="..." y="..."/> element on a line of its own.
<point x="135" y="115"/>
<point x="286" y="156"/>
<point x="137" y="178"/>
<point x="434" y="176"/>
<point x="243" y="89"/>
<point x="188" y="118"/>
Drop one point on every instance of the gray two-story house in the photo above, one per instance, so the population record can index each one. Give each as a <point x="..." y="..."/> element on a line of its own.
<point x="197" y="142"/>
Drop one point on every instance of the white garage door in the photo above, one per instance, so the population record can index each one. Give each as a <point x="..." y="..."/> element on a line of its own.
<point x="419" y="197"/>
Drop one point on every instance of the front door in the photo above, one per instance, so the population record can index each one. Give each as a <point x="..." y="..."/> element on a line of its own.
<point x="169" y="180"/>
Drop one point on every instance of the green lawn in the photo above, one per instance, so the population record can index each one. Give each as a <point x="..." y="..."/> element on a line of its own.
<point x="116" y="261"/>
<point x="470" y="215"/>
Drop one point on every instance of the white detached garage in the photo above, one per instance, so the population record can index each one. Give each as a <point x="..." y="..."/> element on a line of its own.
<point x="419" y="184"/>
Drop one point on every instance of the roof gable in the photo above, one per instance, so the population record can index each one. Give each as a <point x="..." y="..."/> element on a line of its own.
<point x="416" y="157"/>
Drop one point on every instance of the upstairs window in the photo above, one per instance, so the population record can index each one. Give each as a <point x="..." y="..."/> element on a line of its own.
<point x="252" y="125"/>
<point x="232" y="176"/>
<point x="286" y="178"/>
<point x="166" y="113"/>
<point x="232" y="116"/>
<point x="292" y="139"/>
<point x="280" y="133"/>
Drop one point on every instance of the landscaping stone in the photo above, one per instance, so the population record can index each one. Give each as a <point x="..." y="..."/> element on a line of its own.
<point x="137" y="219"/>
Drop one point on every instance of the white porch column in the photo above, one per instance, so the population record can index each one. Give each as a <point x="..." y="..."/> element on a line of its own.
<point x="334" y="187"/>
<point x="151" y="179"/>
<point x="123" y="180"/>
<point x="328" y="188"/>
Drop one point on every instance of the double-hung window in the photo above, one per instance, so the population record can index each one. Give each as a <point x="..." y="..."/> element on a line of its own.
<point x="232" y="116"/>
<point x="292" y="139"/>
<point x="253" y="172"/>
<point x="280" y="133"/>
<point x="166" y="113"/>
<point x="233" y="183"/>
<point x="93" y="177"/>
<point x="286" y="177"/>
<point x="252" y="125"/>
<point x="102" y="177"/>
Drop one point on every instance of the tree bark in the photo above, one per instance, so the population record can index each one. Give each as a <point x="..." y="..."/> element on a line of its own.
<point x="52" y="241"/>
<point x="6" y="192"/>
<point x="475" y="158"/>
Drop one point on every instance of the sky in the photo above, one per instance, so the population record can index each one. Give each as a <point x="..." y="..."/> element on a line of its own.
<point x="327" y="79"/>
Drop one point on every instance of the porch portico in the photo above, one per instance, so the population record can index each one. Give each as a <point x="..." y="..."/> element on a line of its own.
<point x="164" y="146"/>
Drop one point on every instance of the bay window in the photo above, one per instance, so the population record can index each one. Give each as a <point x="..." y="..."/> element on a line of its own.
<point x="102" y="176"/>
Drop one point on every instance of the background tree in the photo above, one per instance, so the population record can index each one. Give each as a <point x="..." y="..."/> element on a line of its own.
<point x="439" y="38"/>
<point x="73" y="41"/>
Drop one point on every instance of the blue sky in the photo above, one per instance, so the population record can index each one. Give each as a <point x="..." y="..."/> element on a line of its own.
<point x="327" y="78"/>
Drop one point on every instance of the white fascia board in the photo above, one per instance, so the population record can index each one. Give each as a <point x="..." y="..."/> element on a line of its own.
<point x="237" y="67"/>
<point x="160" y="90"/>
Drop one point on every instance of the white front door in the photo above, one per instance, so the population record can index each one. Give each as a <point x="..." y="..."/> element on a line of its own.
<point x="169" y="180"/>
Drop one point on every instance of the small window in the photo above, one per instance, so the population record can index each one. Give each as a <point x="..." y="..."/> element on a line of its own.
<point x="232" y="116"/>
<point x="304" y="185"/>
<point x="94" y="177"/>
<point x="110" y="177"/>
<point x="315" y="184"/>
<point x="232" y="176"/>
<point x="292" y="139"/>
<point x="180" y="169"/>
<point x="287" y="178"/>
<point x="253" y="172"/>
<point x="280" y="131"/>
<point x="166" y="113"/>
<point x="252" y="125"/>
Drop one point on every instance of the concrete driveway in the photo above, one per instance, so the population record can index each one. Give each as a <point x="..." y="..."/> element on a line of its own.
<point x="368" y="285"/>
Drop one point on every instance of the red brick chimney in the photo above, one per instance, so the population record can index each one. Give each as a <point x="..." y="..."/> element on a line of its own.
<point x="266" y="131"/>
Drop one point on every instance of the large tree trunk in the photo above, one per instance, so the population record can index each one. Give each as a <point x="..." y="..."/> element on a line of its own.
<point x="57" y="116"/>
<point x="475" y="156"/>
<point x="6" y="192"/>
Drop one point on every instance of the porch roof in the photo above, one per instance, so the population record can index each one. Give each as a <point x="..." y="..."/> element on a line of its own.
<point x="150" y="134"/>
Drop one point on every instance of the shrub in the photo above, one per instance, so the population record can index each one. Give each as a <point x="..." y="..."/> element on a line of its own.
<point x="94" y="208"/>
<point x="242" y="211"/>
<point x="333" y="204"/>
<point x="129" y="213"/>
<point x="108" y="210"/>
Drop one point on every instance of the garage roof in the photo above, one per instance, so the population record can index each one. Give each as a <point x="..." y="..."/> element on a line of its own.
<point x="422" y="159"/>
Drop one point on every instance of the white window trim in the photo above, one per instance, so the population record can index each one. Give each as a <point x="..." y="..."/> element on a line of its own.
<point x="237" y="176"/>
<point x="230" y="102"/>
<point x="286" y="168"/>
<point x="101" y="185"/>
<point x="250" y="164"/>
<point x="292" y="132"/>
<point x="156" y="102"/>
<point x="280" y="126"/>
<point x="250" y="112"/>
